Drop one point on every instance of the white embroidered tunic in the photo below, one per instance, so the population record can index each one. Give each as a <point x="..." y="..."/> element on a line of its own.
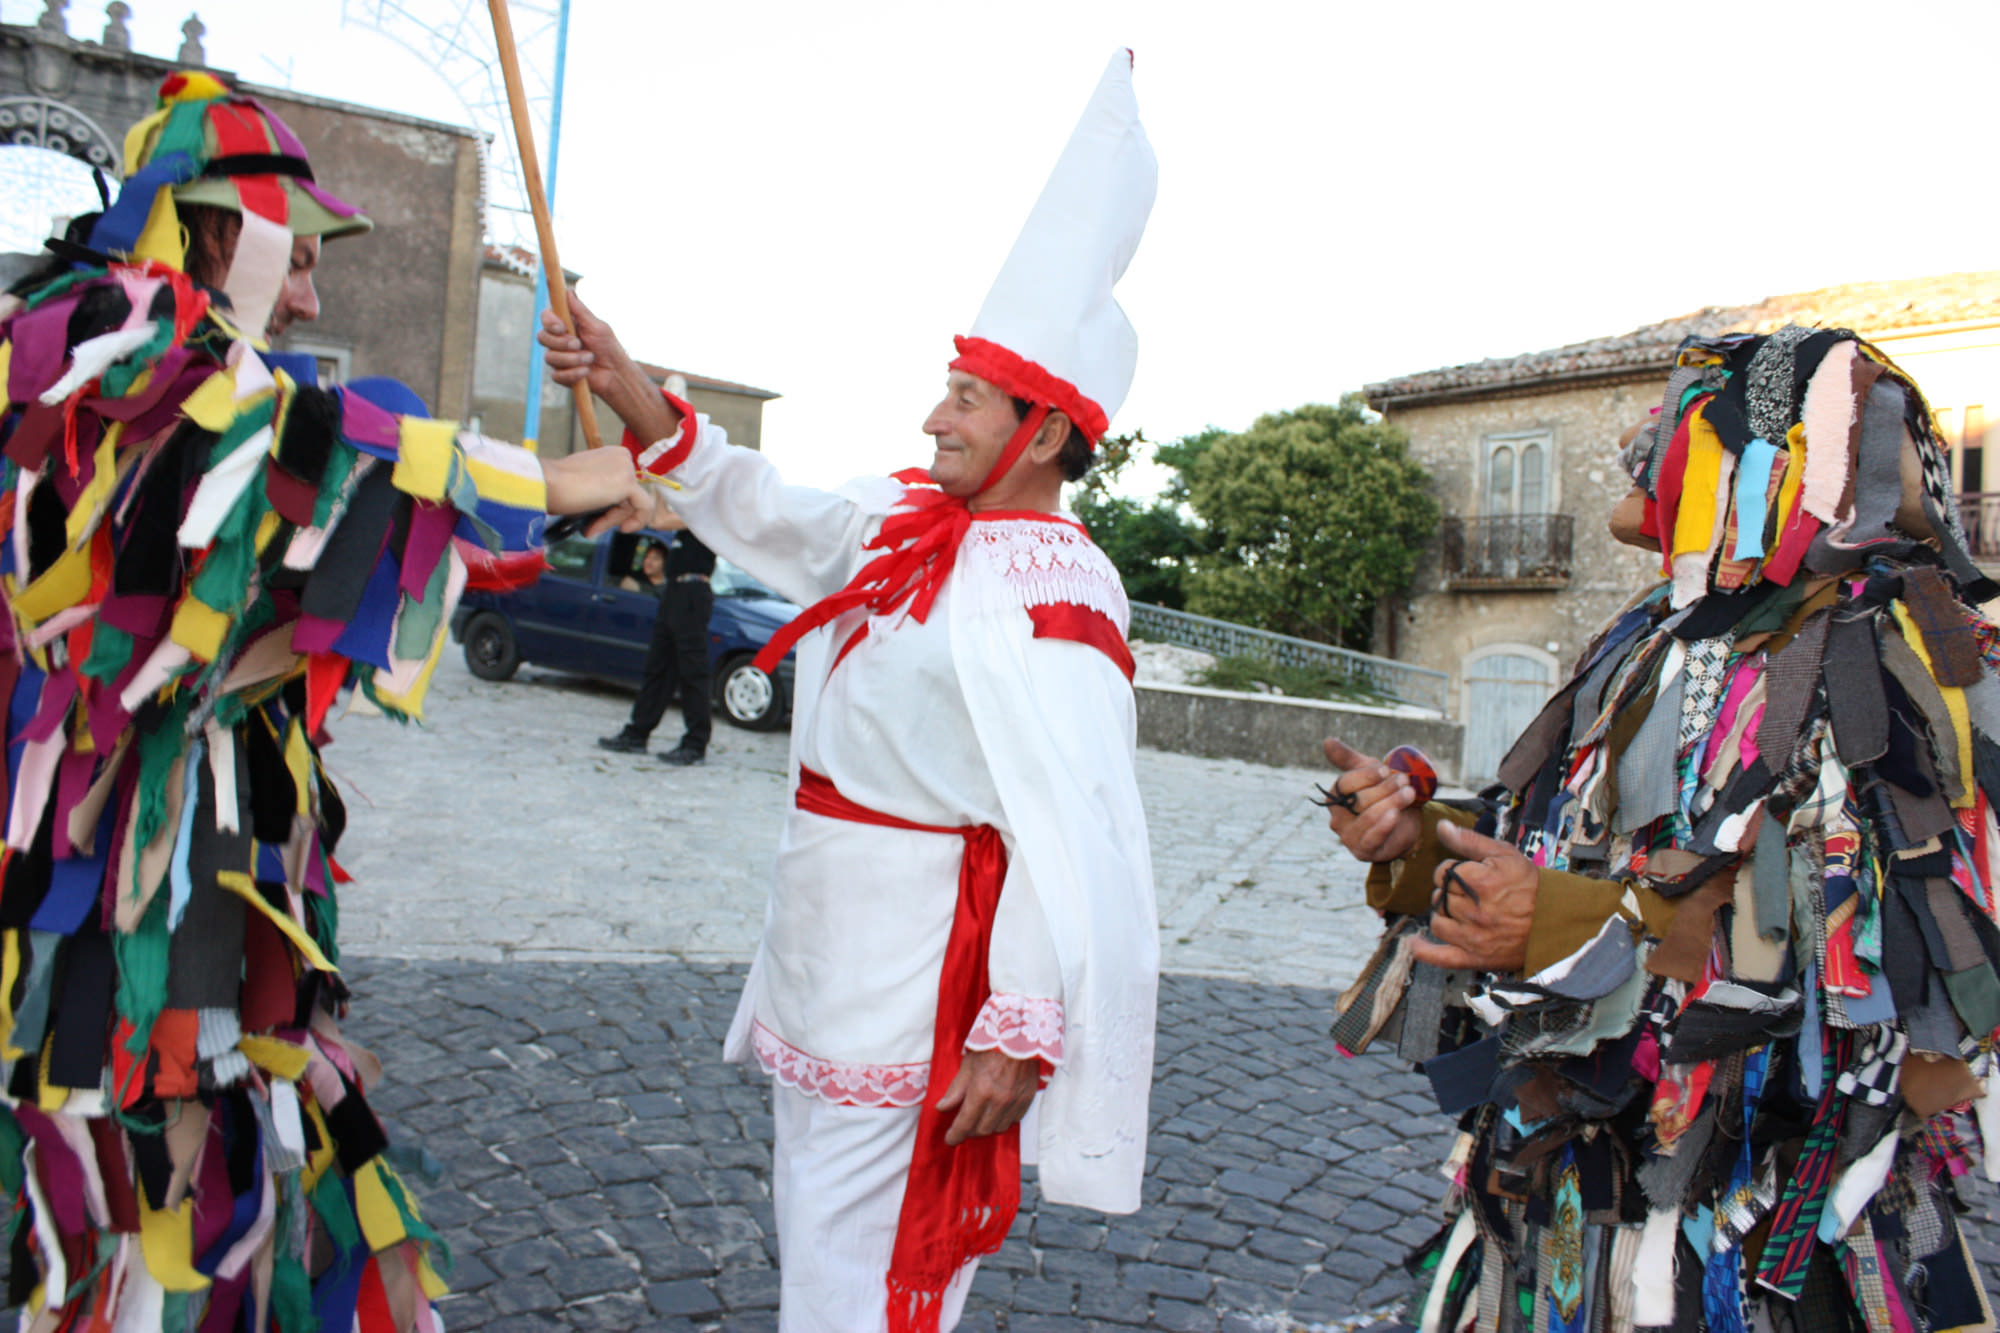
<point x="966" y="718"/>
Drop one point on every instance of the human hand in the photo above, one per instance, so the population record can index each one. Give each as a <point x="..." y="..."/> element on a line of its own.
<point x="1484" y="905"/>
<point x="599" y="479"/>
<point x="991" y="1091"/>
<point x="1371" y="807"/>
<point x="593" y="355"/>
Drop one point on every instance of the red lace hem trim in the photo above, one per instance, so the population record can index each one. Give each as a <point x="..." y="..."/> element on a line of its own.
<point x="1023" y="378"/>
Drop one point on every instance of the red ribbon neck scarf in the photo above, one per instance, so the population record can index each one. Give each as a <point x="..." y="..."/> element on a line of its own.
<point x="959" y="1202"/>
<point x="919" y="545"/>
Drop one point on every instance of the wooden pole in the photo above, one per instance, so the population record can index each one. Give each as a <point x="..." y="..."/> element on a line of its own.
<point x="531" y="174"/>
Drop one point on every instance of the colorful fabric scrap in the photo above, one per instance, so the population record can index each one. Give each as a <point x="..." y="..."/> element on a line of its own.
<point x="1758" y="1096"/>
<point x="198" y="553"/>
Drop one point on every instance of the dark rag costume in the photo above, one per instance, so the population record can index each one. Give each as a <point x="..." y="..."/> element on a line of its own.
<point x="1731" y="1088"/>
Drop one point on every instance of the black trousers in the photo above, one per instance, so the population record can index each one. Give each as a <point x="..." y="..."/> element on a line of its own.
<point x="677" y="662"/>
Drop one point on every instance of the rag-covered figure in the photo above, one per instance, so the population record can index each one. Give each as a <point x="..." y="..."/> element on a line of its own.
<point x="1715" y="994"/>
<point x="963" y="901"/>
<point x="199" y="550"/>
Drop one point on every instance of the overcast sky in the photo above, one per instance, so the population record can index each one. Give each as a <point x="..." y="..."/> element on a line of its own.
<point x="813" y="198"/>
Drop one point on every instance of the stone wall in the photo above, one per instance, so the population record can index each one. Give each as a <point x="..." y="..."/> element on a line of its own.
<point x="1221" y="724"/>
<point x="1438" y="628"/>
<point x="402" y="299"/>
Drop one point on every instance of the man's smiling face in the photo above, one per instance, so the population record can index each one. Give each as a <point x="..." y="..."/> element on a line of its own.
<point x="970" y="428"/>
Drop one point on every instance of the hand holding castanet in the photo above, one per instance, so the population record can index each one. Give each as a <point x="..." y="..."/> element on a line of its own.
<point x="1372" y="806"/>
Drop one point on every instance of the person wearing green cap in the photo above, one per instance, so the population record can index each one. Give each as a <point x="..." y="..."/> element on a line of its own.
<point x="200" y="549"/>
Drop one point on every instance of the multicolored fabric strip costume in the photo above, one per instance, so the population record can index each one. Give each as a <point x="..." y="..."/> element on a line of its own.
<point x="198" y="553"/>
<point x="1764" y="983"/>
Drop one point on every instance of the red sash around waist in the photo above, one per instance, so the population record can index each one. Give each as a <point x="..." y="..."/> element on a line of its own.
<point x="959" y="1202"/>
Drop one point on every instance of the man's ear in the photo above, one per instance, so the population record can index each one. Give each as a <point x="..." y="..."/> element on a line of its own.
<point x="1050" y="439"/>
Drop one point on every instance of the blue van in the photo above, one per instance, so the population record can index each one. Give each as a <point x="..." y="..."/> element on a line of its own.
<point x="577" y="618"/>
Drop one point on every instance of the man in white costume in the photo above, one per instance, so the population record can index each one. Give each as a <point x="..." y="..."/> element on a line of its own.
<point x="963" y="909"/>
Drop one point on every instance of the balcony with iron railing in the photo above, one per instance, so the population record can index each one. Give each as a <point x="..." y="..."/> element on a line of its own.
<point x="1519" y="551"/>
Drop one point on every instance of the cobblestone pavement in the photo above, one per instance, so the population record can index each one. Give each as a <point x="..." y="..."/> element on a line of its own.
<point x="579" y="854"/>
<point x="549" y="981"/>
<point x="605" y="1170"/>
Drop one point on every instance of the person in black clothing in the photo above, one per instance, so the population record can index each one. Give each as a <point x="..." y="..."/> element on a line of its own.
<point x="677" y="658"/>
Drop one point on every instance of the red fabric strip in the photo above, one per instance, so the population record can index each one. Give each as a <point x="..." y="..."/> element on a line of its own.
<point x="239" y="131"/>
<point x="959" y="1202"/>
<point x="1673" y="474"/>
<point x="1022" y="378"/>
<point x="920" y="543"/>
<point x="683" y="446"/>
<point x="1085" y="625"/>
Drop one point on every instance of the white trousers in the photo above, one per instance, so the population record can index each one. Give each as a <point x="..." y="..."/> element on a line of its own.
<point x="837" y="1178"/>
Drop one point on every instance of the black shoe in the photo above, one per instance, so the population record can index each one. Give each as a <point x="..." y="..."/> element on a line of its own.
<point x="623" y="743"/>
<point x="681" y="756"/>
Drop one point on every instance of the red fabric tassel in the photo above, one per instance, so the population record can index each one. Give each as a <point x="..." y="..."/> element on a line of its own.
<point x="509" y="571"/>
<point x="959" y="1202"/>
<point x="324" y="674"/>
<point x="920" y="544"/>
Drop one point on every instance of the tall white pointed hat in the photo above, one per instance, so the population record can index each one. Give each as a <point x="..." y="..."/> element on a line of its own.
<point x="1050" y="330"/>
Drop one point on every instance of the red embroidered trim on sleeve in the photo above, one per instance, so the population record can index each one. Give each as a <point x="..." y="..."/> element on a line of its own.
<point x="1085" y="625"/>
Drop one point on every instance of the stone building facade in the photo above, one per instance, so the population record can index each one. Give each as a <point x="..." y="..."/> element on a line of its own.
<point x="1523" y="452"/>
<point x="399" y="301"/>
<point x="422" y="298"/>
<point x="500" y="388"/>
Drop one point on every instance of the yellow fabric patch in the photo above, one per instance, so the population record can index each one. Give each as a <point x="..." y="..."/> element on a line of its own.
<point x="50" y="1098"/>
<point x="212" y="405"/>
<point x="1954" y="704"/>
<point x="412" y="702"/>
<point x="278" y="1057"/>
<point x="321" y="1159"/>
<point x="1694" y="525"/>
<point x="245" y="888"/>
<point x="6" y="362"/>
<point x="267" y="528"/>
<point x="10" y="975"/>
<point x="435" y="1287"/>
<point x="160" y="238"/>
<point x="423" y="457"/>
<point x="199" y="628"/>
<point x="62" y="585"/>
<point x="88" y="509"/>
<point x="167" y="1238"/>
<point x="298" y="761"/>
<point x="380" y="1222"/>
<point x="508" y="488"/>
<point x="135" y="138"/>
<point x="1789" y="488"/>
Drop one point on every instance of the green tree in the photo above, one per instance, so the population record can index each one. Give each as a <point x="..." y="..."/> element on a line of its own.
<point x="1154" y="543"/>
<point x="1312" y="516"/>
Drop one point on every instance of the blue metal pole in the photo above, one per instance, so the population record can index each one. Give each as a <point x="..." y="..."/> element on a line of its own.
<point x="531" y="420"/>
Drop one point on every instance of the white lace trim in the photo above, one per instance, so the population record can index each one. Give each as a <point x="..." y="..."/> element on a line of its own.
<point x="1022" y="1027"/>
<point x="847" y="1084"/>
<point x="1019" y="1026"/>
<point x="1044" y="562"/>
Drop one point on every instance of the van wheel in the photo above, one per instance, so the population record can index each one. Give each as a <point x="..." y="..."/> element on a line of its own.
<point x="490" y="650"/>
<point x="748" y="697"/>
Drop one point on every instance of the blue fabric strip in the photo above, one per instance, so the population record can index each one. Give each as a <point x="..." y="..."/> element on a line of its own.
<point x="1753" y="484"/>
<point x="117" y="231"/>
